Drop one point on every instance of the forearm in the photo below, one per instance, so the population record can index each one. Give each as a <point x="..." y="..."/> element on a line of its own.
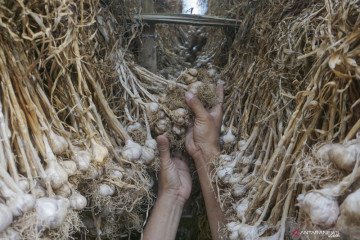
<point x="214" y="213"/>
<point x="164" y="219"/>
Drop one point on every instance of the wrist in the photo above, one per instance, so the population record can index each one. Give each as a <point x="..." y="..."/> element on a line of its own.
<point x="206" y="155"/>
<point x="169" y="197"/>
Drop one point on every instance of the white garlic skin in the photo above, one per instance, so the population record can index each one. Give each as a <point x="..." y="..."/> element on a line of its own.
<point x="20" y="204"/>
<point x="106" y="190"/>
<point x="323" y="211"/>
<point x="132" y="151"/>
<point x="82" y="160"/>
<point x="178" y="130"/>
<point x="241" y="144"/>
<point x="51" y="212"/>
<point x="77" y="201"/>
<point x="69" y="167"/>
<point x="6" y="217"/>
<point x="212" y="72"/>
<point x="99" y="152"/>
<point x="58" y="143"/>
<point x="350" y="211"/>
<point x="224" y="171"/>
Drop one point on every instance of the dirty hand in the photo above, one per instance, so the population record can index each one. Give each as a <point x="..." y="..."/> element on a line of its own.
<point x="202" y="139"/>
<point x="174" y="179"/>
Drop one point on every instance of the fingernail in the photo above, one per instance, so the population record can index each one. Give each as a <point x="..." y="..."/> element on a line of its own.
<point x="189" y="95"/>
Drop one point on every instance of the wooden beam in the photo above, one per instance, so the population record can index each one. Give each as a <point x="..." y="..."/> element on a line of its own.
<point x="187" y="19"/>
<point x="147" y="51"/>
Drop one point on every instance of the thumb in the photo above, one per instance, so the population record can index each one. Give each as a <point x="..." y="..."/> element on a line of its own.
<point x="196" y="106"/>
<point x="164" y="153"/>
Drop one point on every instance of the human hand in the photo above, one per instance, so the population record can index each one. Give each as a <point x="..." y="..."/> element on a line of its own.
<point x="202" y="139"/>
<point x="174" y="177"/>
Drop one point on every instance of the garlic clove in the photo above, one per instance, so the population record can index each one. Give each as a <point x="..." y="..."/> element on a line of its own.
<point x="51" y="212"/>
<point x="229" y="138"/>
<point x="151" y="143"/>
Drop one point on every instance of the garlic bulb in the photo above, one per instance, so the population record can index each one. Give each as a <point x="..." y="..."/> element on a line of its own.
<point x="162" y="125"/>
<point x="132" y="150"/>
<point x="135" y="126"/>
<point x="212" y="72"/>
<point x="323" y="210"/>
<point x="18" y="203"/>
<point x="178" y="130"/>
<point x="344" y="156"/>
<point x="82" y="160"/>
<point x="148" y="155"/>
<point x="350" y="211"/>
<point x="222" y="172"/>
<point x="179" y="115"/>
<point x="152" y="108"/>
<point x="6" y="217"/>
<point x="194" y="87"/>
<point x="171" y="86"/>
<point x="116" y="174"/>
<point x="241" y="144"/>
<point x="58" y="143"/>
<point x="188" y="79"/>
<point x="106" y="190"/>
<point x="77" y="201"/>
<point x="151" y="143"/>
<point x="229" y="138"/>
<point x="238" y="190"/>
<point x="51" y="212"/>
<point x="242" y="208"/>
<point x="69" y="167"/>
<point x="56" y="174"/>
<point x="63" y="191"/>
<point x="99" y="152"/>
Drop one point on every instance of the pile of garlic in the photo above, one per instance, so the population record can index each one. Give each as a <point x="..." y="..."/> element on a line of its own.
<point x="322" y="205"/>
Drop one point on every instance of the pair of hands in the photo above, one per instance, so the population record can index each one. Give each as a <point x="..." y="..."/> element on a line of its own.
<point x="201" y="143"/>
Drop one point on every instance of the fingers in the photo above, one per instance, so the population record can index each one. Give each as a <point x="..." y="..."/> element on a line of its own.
<point x="217" y="109"/>
<point x="196" y="106"/>
<point x="164" y="153"/>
